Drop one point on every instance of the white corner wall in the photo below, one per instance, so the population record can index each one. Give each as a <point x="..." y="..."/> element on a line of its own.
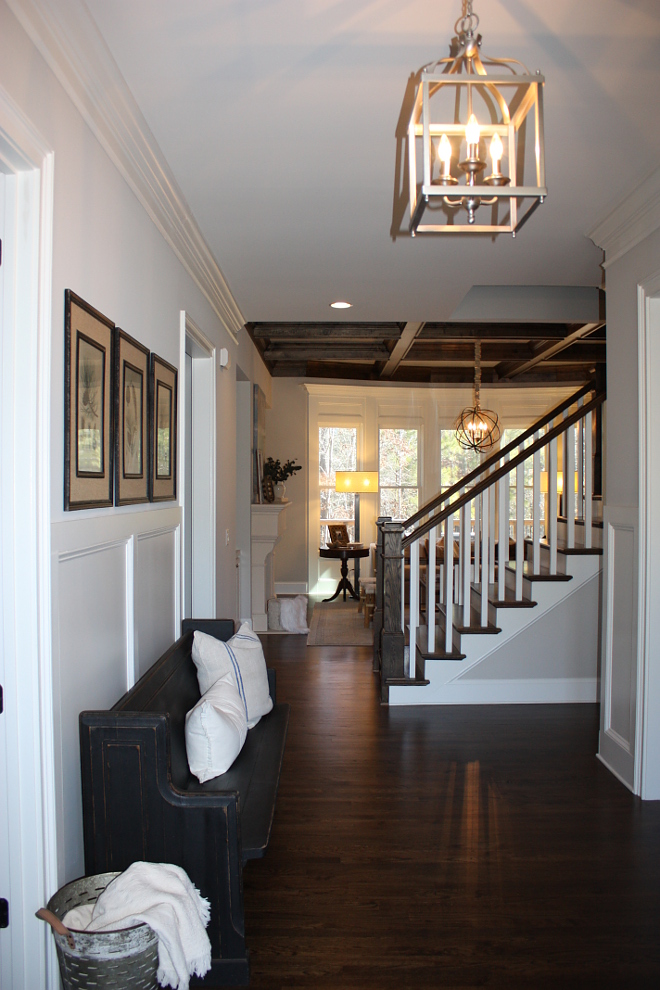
<point x="626" y="703"/>
<point x="115" y="572"/>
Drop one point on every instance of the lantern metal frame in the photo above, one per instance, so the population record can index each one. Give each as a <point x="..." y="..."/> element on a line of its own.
<point x="463" y="74"/>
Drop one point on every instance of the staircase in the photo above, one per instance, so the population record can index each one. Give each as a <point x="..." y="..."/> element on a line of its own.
<point x="510" y="627"/>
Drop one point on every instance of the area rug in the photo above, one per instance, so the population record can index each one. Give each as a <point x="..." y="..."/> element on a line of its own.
<point x="338" y="624"/>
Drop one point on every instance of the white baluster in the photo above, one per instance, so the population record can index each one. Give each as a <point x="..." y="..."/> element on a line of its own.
<point x="466" y="563"/>
<point x="449" y="583"/>
<point x="492" y="534"/>
<point x="588" y="479"/>
<point x="430" y="592"/>
<point x="403" y="595"/>
<point x="580" y="464"/>
<point x="413" y="606"/>
<point x="520" y="528"/>
<point x="477" y="538"/>
<point x="552" y="504"/>
<point x="569" y="485"/>
<point x="502" y="533"/>
<point x="485" y="569"/>
<point x="536" y="518"/>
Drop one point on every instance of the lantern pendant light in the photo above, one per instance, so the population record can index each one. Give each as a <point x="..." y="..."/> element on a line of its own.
<point x="458" y="110"/>
<point x="477" y="428"/>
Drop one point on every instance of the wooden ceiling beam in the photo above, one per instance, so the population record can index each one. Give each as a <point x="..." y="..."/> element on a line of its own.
<point x="545" y="351"/>
<point x="496" y="331"/>
<point x="327" y="352"/>
<point x="308" y="332"/>
<point x="401" y="348"/>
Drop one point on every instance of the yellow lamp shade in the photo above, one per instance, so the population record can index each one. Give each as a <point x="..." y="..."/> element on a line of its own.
<point x="356" y="481"/>
<point x="560" y="482"/>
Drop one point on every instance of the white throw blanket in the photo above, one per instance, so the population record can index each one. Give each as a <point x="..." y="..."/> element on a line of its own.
<point x="293" y="614"/>
<point x="162" y="896"/>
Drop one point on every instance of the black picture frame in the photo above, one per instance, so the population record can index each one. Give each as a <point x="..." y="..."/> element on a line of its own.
<point x="131" y="419"/>
<point x="88" y="410"/>
<point x="162" y="430"/>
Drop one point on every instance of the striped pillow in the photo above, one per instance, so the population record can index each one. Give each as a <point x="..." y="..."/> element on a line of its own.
<point x="243" y="657"/>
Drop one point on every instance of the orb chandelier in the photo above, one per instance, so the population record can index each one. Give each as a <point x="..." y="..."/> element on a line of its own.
<point x="458" y="110"/>
<point x="477" y="428"/>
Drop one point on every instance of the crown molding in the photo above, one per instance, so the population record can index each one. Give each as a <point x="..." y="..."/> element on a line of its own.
<point x="72" y="45"/>
<point x="634" y="219"/>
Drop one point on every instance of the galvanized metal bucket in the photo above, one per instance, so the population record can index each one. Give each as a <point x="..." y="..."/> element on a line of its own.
<point x="124" y="960"/>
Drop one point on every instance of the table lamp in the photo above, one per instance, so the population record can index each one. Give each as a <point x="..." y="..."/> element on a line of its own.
<point x="356" y="482"/>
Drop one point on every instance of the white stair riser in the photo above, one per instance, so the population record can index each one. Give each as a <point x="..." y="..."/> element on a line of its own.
<point x="513" y="622"/>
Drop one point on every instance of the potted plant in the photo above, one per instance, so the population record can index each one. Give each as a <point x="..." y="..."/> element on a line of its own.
<point x="278" y="473"/>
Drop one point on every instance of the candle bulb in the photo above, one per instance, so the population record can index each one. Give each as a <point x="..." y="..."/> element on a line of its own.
<point x="444" y="154"/>
<point x="472" y="135"/>
<point x="496" y="152"/>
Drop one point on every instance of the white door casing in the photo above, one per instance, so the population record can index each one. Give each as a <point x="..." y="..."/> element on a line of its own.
<point x="647" y="741"/>
<point x="29" y="874"/>
<point x="202" y="505"/>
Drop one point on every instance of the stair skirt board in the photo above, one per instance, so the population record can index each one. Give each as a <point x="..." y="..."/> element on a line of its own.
<point x="560" y="635"/>
<point x="550" y="691"/>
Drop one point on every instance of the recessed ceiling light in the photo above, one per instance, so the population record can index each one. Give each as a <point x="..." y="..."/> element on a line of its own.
<point x="341" y="305"/>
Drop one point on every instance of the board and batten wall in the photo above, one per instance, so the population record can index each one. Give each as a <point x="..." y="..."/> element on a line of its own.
<point x="630" y="697"/>
<point x="115" y="572"/>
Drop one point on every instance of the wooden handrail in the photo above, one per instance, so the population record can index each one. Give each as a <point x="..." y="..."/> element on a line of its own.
<point x="543" y="441"/>
<point x="544" y="421"/>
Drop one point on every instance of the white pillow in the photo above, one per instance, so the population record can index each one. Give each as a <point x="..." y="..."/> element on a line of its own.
<point x="243" y="657"/>
<point x="216" y="729"/>
<point x="293" y="614"/>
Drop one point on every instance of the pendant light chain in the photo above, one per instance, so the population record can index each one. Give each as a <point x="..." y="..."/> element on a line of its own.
<point x="477" y="372"/>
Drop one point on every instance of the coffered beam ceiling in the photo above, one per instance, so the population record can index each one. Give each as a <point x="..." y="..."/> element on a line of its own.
<point x="434" y="353"/>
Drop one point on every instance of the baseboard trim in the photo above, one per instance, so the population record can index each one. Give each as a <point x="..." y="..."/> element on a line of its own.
<point x="617" y="758"/>
<point x="542" y="691"/>
<point x="290" y="587"/>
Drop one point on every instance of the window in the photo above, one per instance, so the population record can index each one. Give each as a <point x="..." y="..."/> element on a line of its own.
<point x="398" y="472"/>
<point x="337" y="452"/>
<point x="455" y="461"/>
<point x="507" y="437"/>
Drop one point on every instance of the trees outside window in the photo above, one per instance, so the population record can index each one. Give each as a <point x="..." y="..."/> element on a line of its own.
<point x="398" y="472"/>
<point x="337" y="452"/>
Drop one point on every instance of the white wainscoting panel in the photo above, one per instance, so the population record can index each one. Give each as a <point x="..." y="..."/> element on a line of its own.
<point x="115" y="589"/>
<point x="91" y="669"/>
<point x="619" y="676"/>
<point x="157" y="600"/>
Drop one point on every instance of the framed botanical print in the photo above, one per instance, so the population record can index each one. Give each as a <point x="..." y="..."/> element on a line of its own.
<point x="88" y="420"/>
<point x="162" y="429"/>
<point x="131" y="388"/>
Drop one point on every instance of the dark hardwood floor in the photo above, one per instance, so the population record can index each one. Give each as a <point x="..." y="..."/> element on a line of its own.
<point x="446" y="847"/>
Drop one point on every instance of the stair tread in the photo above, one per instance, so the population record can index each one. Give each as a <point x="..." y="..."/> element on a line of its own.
<point x="475" y="626"/>
<point x="568" y="551"/>
<point x="598" y="523"/>
<point x="542" y="575"/>
<point x="509" y="600"/>
<point x="406" y="681"/>
<point x="438" y="653"/>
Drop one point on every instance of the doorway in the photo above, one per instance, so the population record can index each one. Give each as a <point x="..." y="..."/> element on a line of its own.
<point x="28" y="872"/>
<point x="198" y="469"/>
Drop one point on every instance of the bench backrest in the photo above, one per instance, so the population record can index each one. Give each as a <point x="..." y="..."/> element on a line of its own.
<point x="171" y="686"/>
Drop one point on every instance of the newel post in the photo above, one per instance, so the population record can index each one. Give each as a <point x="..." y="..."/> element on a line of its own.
<point x="392" y="638"/>
<point x="378" y="609"/>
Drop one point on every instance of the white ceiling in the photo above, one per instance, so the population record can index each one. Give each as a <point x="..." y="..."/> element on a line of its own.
<point x="279" y="120"/>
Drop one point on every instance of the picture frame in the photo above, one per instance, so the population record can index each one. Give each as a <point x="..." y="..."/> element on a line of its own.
<point x="338" y="534"/>
<point x="88" y="412"/>
<point x="131" y="415"/>
<point x="162" y="430"/>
